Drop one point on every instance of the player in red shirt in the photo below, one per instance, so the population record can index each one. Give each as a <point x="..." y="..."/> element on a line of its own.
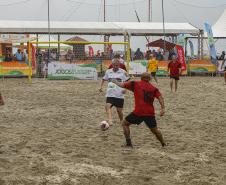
<point x="144" y="94"/>
<point x="174" y="70"/>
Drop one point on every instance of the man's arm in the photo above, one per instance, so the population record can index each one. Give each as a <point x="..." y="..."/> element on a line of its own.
<point x="161" y="102"/>
<point x="168" y="68"/>
<point x="105" y="78"/>
<point x="118" y="83"/>
<point x="180" y="71"/>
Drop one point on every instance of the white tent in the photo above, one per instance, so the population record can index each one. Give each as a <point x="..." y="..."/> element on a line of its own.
<point x="96" y="28"/>
<point x="44" y="38"/>
<point x="219" y="28"/>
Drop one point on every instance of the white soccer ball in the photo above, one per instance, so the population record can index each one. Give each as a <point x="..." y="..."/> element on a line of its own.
<point x="104" y="125"/>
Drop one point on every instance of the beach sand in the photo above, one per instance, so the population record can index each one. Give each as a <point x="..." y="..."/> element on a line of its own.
<point x="50" y="135"/>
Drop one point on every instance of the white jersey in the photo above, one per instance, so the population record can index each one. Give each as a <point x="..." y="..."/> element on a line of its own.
<point x="113" y="90"/>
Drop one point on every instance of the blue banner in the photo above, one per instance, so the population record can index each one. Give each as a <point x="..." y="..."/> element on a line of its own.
<point x="191" y="48"/>
<point x="211" y="42"/>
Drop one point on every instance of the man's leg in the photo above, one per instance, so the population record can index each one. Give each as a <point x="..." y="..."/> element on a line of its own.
<point x="155" y="79"/>
<point x="158" y="135"/>
<point x="171" y="84"/>
<point x="1" y="100"/>
<point x="109" y="113"/>
<point x="126" y="130"/>
<point x="225" y="77"/>
<point x="120" y="113"/>
<point x="176" y="85"/>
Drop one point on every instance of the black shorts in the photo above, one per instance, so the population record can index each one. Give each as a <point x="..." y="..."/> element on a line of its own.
<point x="117" y="102"/>
<point x="175" y="77"/>
<point x="134" y="119"/>
<point x="153" y="73"/>
<point x="225" y="68"/>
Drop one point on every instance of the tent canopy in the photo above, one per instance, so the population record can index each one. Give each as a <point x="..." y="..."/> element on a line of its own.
<point x="44" y="38"/>
<point x="219" y="28"/>
<point x="96" y="28"/>
<point x="160" y="43"/>
<point x="76" y="39"/>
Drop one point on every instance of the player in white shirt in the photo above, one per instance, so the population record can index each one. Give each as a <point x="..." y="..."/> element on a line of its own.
<point x="114" y="94"/>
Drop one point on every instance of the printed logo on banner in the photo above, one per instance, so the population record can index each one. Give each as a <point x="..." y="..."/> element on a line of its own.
<point x="58" y="70"/>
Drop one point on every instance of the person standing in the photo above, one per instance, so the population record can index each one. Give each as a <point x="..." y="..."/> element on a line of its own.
<point x="19" y="55"/>
<point x="115" y="94"/>
<point x="174" y="70"/>
<point x="152" y="66"/>
<point x="144" y="95"/>
<point x="138" y="55"/>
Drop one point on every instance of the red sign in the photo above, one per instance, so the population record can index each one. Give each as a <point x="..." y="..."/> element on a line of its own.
<point x="91" y="52"/>
<point x="33" y="56"/>
<point x="180" y="54"/>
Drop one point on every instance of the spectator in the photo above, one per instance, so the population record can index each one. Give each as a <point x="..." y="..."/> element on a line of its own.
<point x="70" y="55"/>
<point x="222" y="57"/>
<point x="19" y="55"/>
<point x="8" y="56"/>
<point x="171" y="53"/>
<point x="98" y="53"/>
<point x="147" y="54"/>
<point x="138" y="55"/>
<point x="159" y="55"/>
<point x="53" y="55"/>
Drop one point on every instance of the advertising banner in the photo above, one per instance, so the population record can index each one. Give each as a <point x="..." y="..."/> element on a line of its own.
<point x="62" y="71"/>
<point x="211" y="42"/>
<point x="180" y="53"/>
<point x="138" y="67"/>
<point x="15" y="69"/>
<point x="181" y="40"/>
<point x="162" y="68"/>
<point x="202" y="66"/>
<point x="100" y="65"/>
<point x="191" y="48"/>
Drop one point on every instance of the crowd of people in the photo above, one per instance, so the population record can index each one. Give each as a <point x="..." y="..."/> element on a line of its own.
<point x="159" y="54"/>
<point x="21" y="56"/>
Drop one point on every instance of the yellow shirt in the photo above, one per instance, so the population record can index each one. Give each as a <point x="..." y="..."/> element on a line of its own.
<point x="152" y="65"/>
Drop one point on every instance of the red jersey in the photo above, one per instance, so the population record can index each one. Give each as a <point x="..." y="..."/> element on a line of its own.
<point x="144" y="95"/>
<point x="174" y="68"/>
<point x="122" y="66"/>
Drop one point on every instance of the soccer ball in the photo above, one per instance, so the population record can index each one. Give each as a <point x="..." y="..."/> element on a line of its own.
<point x="104" y="125"/>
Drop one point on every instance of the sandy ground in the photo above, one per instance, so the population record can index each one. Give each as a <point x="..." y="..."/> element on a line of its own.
<point x="50" y="135"/>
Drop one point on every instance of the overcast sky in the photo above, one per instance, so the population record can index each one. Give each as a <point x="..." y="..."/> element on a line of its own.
<point x="194" y="11"/>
